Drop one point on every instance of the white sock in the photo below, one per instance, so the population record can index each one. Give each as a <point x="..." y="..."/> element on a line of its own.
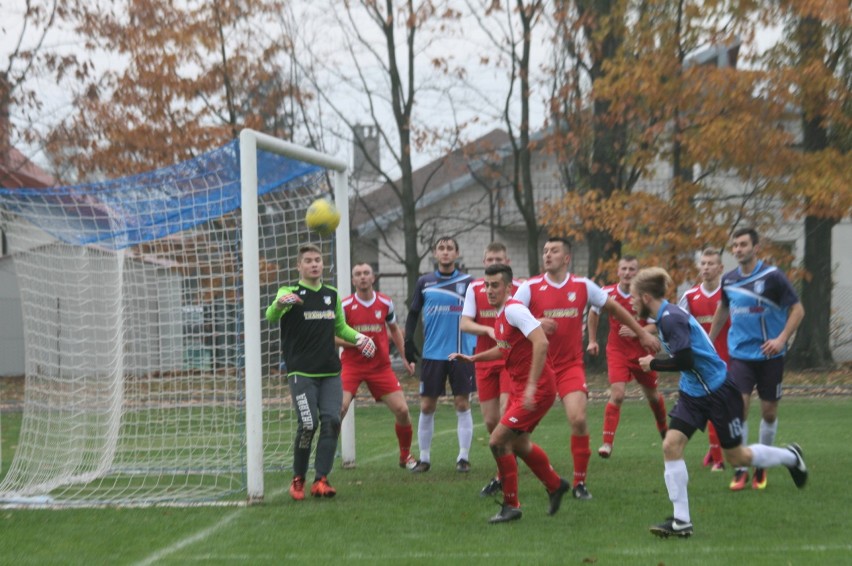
<point x="763" y="456"/>
<point x="767" y="432"/>
<point x="744" y="436"/>
<point x="465" y="432"/>
<point x="677" y="479"/>
<point x="425" y="430"/>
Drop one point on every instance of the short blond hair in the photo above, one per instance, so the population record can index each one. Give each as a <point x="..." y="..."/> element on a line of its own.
<point x="654" y="281"/>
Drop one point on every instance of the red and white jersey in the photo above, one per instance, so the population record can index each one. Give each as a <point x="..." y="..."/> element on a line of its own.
<point x="625" y="345"/>
<point x="514" y="323"/>
<point x="477" y="307"/>
<point x="702" y="304"/>
<point x="565" y="302"/>
<point x="370" y="318"/>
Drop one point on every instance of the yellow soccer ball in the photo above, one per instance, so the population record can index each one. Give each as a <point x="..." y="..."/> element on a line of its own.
<point x="322" y="217"/>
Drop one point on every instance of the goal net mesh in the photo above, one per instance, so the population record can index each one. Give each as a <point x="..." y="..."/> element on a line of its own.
<point x="131" y="295"/>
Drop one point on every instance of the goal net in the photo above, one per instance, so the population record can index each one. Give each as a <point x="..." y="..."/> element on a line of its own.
<point x="151" y="377"/>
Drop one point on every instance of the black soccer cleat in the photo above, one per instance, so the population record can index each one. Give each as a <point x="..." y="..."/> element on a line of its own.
<point x="555" y="496"/>
<point x="580" y="492"/>
<point x="507" y="513"/>
<point x="421" y="467"/>
<point x="463" y="466"/>
<point x="800" y="470"/>
<point x="493" y="487"/>
<point x="672" y="527"/>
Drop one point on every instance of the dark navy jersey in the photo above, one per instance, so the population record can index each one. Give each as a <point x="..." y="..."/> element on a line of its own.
<point x="678" y="330"/>
<point x="439" y="299"/>
<point x="758" y="304"/>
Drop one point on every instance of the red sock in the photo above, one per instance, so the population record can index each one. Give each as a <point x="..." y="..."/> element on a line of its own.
<point x="581" y="453"/>
<point x="660" y="413"/>
<point x="403" y="435"/>
<point x="715" y="448"/>
<point x="612" y="414"/>
<point x="508" y="467"/>
<point x="539" y="463"/>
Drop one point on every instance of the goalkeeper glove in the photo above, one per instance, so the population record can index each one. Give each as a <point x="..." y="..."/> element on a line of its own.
<point x="411" y="352"/>
<point x="289" y="299"/>
<point x="365" y="345"/>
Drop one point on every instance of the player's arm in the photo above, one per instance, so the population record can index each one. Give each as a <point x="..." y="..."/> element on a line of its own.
<point x="794" y="319"/>
<point x="648" y="340"/>
<point x="345" y="332"/>
<point x="682" y="358"/>
<point x="592" y="321"/>
<point x="395" y="333"/>
<point x="413" y="317"/>
<point x="539" y="357"/>
<point x="486" y="356"/>
<point x="284" y="301"/>
<point x="467" y="324"/>
<point x="341" y="343"/>
<point x="719" y="319"/>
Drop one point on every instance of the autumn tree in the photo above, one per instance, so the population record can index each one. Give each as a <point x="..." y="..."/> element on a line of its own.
<point x="385" y="73"/>
<point x="186" y="77"/>
<point x="814" y="69"/>
<point x="34" y="35"/>
<point x="510" y="28"/>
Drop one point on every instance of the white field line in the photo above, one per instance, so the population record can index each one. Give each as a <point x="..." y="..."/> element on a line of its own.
<point x="228" y="519"/>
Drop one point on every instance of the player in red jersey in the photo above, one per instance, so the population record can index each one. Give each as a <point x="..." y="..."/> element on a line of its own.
<point x="701" y="302"/>
<point x="492" y="379"/>
<point x="559" y="299"/>
<point x="521" y="341"/>
<point x="372" y="314"/>
<point x="622" y="358"/>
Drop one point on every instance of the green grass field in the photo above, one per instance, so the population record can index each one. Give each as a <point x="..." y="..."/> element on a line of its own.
<point x="383" y="514"/>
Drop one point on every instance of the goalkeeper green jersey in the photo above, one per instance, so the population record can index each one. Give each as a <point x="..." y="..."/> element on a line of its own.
<point x="308" y="330"/>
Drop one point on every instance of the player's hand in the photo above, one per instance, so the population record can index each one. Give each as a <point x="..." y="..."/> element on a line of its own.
<point x="625" y="332"/>
<point x="289" y="299"/>
<point x="490" y="333"/>
<point x="409" y="367"/>
<point x="548" y="325"/>
<point x="411" y="352"/>
<point x="773" y="347"/>
<point x="645" y="362"/>
<point x="650" y="342"/>
<point x="459" y="356"/>
<point x="365" y="345"/>
<point x="529" y="397"/>
<point x="593" y="348"/>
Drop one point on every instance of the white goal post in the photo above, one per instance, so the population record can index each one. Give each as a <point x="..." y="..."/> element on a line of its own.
<point x="250" y="142"/>
<point x="151" y="377"/>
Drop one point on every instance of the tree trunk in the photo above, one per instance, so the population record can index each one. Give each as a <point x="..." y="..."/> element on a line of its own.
<point x="812" y="346"/>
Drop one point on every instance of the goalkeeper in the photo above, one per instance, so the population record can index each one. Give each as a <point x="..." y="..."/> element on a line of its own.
<point x="311" y="315"/>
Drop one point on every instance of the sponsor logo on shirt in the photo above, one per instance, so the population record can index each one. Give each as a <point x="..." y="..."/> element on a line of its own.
<point x="444" y="309"/>
<point x="754" y="309"/>
<point x="488" y="313"/>
<point x="365" y="328"/>
<point x="319" y="315"/>
<point x="561" y="313"/>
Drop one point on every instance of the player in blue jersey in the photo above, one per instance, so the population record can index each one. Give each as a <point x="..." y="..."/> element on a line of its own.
<point x="706" y="393"/>
<point x="439" y="298"/>
<point x="765" y="312"/>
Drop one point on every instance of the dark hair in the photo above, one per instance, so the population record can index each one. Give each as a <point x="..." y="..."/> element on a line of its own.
<point x="629" y="257"/>
<point x="445" y="239"/>
<point x="564" y="241"/>
<point x="501" y="269"/>
<point x="652" y="280"/>
<point x="752" y="233"/>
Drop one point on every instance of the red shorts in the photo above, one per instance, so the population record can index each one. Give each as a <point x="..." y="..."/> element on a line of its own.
<point x="492" y="380"/>
<point x="621" y="370"/>
<point x="520" y="419"/>
<point x="570" y="378"/>
<point x="380" y="383"/>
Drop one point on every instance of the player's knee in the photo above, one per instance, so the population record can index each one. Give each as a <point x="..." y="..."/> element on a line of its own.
<point x="304" y="437"/>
